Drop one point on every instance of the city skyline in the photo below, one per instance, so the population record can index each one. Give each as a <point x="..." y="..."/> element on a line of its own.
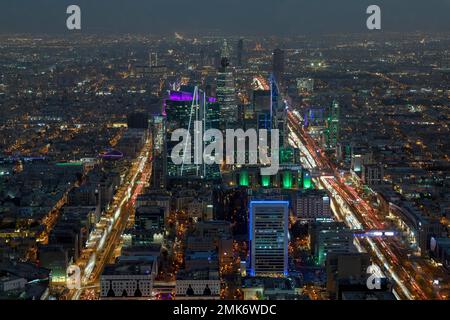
<point x="151" y="161"/>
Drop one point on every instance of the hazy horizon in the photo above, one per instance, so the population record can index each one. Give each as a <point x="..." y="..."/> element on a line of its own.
<point x="227" y="17"/>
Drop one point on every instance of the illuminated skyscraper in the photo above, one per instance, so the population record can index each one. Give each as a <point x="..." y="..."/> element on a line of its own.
<point x="182" y="110"/>
<point x="278" y="112"/>
<point x="333" y="125"/>
<point x="226" y="94"/>
<point x="269" y="237"/>
<point x="278" y="65"/>
<point x="225" y="51"/>
<point x="261" y="108"/>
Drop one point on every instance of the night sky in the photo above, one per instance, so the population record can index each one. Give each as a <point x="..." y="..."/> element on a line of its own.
<point x="246" y="17"/>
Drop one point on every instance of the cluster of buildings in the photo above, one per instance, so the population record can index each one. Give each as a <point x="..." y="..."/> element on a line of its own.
<point x="70" y="149"/>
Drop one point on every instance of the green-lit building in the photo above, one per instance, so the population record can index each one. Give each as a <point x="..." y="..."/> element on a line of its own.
<point x="330" y="237"/>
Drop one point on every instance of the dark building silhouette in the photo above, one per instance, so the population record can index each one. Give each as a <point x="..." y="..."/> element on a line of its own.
<point x="138" y="120"/>
<point x="240" y="53"/>
<point x="278" y="65"/>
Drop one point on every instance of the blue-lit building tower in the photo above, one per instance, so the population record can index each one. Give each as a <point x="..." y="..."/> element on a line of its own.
<point x="268" y="236"/>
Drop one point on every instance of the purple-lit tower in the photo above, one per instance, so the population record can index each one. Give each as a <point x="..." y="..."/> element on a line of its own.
<point x="182" y="109"/>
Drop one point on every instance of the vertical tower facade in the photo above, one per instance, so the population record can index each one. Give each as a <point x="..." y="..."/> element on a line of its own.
<point x="226" y="93"/>
<point x="278" y="112"/>
<point x="269" y="237"/>
<point x="240" y="53"/>
<point x="182" y="109"/>
<point x="278" y="65"/>
<point x="333" y="125"/>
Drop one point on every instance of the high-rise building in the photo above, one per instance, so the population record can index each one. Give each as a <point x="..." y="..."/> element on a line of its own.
<point x="225" y="50"/>
<point x="182" y="110"/>
<point x="158" y="127"/>
<point x="226" y="94"/>
<point x="333" y="125"/>
<point x="240" y="53"/>
<point x="261" y="103"/>
<point x="278" y="65"/>
<point x="330" y="237"/>
<point x="313" y="205"/>
<point x="269" y="237"/>
<point x="278" y="111"/>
